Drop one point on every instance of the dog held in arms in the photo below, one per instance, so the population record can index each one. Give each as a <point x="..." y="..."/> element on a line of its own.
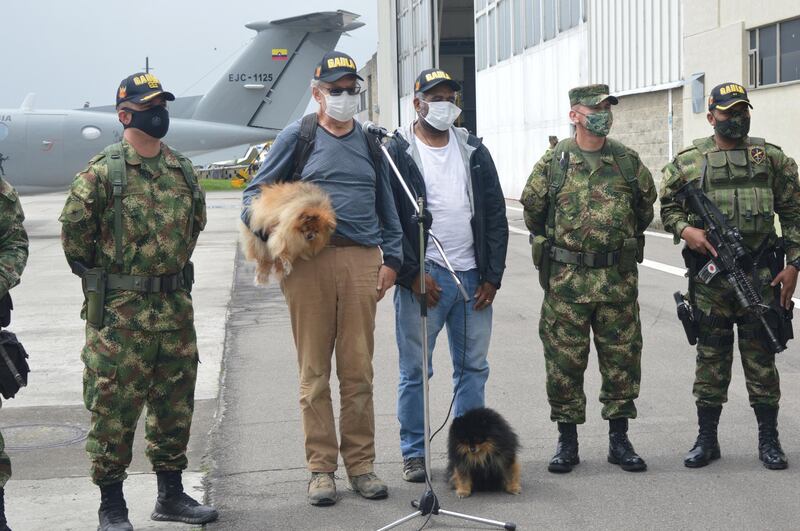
<point x="482" y="453"/>
<point x="299" y="219"/>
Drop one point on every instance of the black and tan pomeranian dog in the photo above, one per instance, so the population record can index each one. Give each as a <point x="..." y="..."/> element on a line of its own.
<point x="482" y="453"/>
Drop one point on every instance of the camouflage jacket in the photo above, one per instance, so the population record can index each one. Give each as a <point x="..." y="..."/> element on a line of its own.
<point x="594" y="213"/>
<point x="13" y="238"/>
<point x="687" y="166"/>
<point x="156" y="240"/>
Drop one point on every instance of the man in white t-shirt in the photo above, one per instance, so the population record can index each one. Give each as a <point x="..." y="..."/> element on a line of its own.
<point x="455" y="174"/>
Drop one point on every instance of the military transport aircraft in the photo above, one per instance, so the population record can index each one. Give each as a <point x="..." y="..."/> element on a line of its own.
<point x="264" y="89"/>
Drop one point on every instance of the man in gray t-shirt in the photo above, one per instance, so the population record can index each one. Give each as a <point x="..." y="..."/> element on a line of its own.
<point x="332" y="297"/>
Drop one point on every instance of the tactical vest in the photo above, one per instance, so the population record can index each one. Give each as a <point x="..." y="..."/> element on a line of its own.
<point x="115" y="160"/>
<point x="739" y="182"/>
<point x="558" y="174"/>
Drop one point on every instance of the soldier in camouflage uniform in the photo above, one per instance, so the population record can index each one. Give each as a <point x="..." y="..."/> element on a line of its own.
<point x="750" y="181"/>
<point x="129" y="227"/>
<point x="587" y="203"/>
<point x="13" y="257"/>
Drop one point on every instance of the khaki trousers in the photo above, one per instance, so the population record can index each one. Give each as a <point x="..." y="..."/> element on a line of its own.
<point x="332" y="299"/>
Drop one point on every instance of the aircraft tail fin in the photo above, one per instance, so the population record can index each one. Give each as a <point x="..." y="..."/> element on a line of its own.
<point x="268" y="84"/>
<point x="28" y="102"/>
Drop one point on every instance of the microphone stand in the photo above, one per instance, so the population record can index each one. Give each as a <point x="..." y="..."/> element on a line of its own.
<point x="428" y="503"/>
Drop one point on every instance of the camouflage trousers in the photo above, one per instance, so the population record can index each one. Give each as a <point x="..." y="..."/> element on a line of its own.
<point x="564" y="329"/>
<point x="717" y="302"/>
<point x="5" y="464"/>
<point x="124" y="371"/>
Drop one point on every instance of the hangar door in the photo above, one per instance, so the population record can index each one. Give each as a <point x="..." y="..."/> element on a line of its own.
<point x="416" y="38"/>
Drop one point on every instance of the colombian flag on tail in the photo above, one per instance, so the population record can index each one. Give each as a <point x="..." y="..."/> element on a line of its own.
<point x="280" y="54"/>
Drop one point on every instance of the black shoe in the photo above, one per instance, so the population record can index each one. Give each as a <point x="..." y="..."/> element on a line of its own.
<point x="769" y="447"/>
<point x="174" y="505"/>
<point x="3" y="523"/>
<point x="620" y="449"/>
<point x="706" y="447"/>
<point x="113" y="512"/>
<point x="566" y="450"/>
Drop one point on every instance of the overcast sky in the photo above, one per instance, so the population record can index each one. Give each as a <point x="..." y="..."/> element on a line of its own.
<point x="72" y="51"/>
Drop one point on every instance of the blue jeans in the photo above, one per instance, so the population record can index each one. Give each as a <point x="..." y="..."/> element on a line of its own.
<point x="474" y="350"/>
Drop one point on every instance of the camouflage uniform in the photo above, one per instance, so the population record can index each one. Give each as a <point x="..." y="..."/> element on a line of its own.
<point x="13" y="257"/>
<point x="145" y="352"/>
<point x="594" y="214"/>
<point x="749" y="185"/>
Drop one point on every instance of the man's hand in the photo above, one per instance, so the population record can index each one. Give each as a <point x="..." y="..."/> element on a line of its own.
<point x="696" y="240"/>
<point x="433" y="291"/>
<point x="788" y="281"/>
<point x="386" y="278"/>
<point x="484" y="296"/>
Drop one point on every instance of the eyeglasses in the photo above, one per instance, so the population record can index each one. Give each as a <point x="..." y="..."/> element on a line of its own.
<point x="338" y="91"/>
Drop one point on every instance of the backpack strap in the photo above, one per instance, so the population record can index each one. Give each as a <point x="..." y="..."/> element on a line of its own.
<point x="304" y="145"/>
<point x="116" y="173"/>
<point x="194" y="186"/>
<point x="625" y="164"/>
<point x="557" y="175"/>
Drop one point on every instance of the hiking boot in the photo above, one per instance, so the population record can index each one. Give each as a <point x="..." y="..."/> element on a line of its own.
<point x="566" y="450"/>
<point x="620" y="449"/>
<point x="769" y="447"/>
<point x="706" y="447"/>
<point x="414" y="469"/>
<point x="322" y="489"/>
<point x="113" y="512"/>
<point x="174" y="505"/>
<point x="369" y="486"/>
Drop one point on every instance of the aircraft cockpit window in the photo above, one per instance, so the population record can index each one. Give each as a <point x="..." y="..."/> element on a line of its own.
<point x="90" y="132"/>
<point x="3" y="130"/>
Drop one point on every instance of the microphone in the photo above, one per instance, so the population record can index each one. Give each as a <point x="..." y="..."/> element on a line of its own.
<point x="376" y="130"/>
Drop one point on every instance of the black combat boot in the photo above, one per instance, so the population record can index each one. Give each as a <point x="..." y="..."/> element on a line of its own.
<point x="769" y="447"/>
<point x="113" y="512"/>
<point x="174" y="505"/>
<point x="3" y="523"/>
<point x="566" y="450"/>
<point x="620" y="449"/>
<point x="706" y="447"/>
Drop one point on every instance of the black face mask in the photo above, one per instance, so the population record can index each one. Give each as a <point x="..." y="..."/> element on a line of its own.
<point x="153" y="122"/>
<point x="735" y="127"/>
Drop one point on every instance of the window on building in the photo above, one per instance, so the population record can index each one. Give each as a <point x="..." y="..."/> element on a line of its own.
<point x="481" y="42"/>
<point x="790" y="50"/>
<point x="533" y="22"/>
<point x="549" y="19"/>
<point x="774" y="53"/>
<point x="493" y="37"/>
<point x="519" y="26"/>
<point x="480" y="5"/>
<point x="503" y="30"/>
<point x="569" y="14"/>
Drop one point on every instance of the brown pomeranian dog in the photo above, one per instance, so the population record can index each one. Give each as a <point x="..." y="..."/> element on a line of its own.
<point x="299" y="219"/>
<point x="482" y="453"/>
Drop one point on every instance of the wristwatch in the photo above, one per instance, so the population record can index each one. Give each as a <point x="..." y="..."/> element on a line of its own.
<point x="795" y="263"/>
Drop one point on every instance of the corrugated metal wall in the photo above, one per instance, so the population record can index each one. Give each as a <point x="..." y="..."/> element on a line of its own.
<point x="634" y="44"/>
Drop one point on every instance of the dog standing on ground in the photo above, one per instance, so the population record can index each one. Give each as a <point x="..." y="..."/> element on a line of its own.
<point x="299" y="219"/>
<point x="482" y="453"/>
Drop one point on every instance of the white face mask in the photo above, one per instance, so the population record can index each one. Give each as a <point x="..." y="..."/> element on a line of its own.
<point x="342" y="107"/>
<point x="441" y="114"/>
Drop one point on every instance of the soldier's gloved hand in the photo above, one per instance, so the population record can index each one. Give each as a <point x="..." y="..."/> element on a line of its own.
<point x="697" y="241"/>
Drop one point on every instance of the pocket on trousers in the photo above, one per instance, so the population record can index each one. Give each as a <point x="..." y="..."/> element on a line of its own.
<point x="99" y="380"/>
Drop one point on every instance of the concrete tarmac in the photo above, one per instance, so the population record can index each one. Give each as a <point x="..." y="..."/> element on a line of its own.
<point x="45" y="425"/>
<point x="258" y="477"/>
<point x="246" y="451"/>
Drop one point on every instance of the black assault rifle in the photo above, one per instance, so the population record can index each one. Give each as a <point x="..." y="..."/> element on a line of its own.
<point x="733" y="261"/>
